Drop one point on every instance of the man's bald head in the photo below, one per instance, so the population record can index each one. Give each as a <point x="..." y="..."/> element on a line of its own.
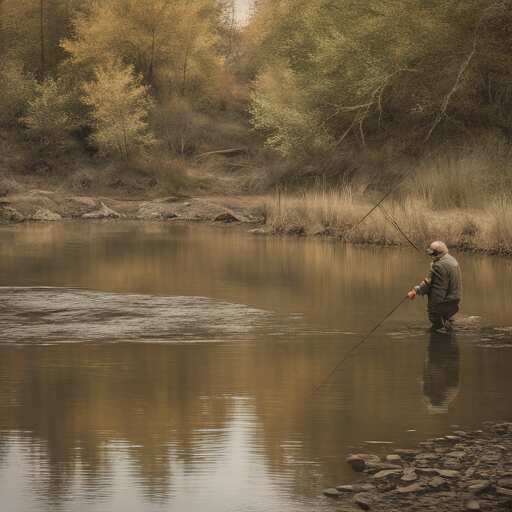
<point x="437" y="248"/>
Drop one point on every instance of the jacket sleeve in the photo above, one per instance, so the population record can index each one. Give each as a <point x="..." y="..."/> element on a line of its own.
<point x="424" y="287"/>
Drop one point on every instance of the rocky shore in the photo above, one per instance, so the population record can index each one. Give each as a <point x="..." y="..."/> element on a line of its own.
<point x="464" y="471"/>
<point x="42" y="205"/>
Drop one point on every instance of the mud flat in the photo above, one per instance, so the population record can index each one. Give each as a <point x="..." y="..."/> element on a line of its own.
<point x="463" y="471"/>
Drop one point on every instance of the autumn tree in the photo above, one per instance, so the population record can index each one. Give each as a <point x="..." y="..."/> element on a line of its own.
<point x="403" y="73"/>
<point x="172" y="45"/>
<point x="119" y="105"/>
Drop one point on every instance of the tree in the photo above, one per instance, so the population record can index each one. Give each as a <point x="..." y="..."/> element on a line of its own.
<point x="16" y="90"/>
<point x="119" y="106"/>
<point x="32" y="30"/>
<point x="172" y="45"/>
<point x="403" y="72"/>
<point x="47" y="118"/>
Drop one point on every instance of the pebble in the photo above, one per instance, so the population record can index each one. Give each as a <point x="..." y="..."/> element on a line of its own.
<point x="503" y="491"/>
<point x="416" y="487"/>
<point x="360" y="461"/>
<point x="443" y="474"/>
<point x="479" y="486"/>
<point x="387" y="472"/>
<point x="505" y="482"/>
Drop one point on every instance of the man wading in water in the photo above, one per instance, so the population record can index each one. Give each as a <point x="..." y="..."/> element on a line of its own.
<point x="442" y="286"/>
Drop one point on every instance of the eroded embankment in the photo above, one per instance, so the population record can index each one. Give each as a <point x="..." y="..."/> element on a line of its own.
<point x="466" y="470"/>
<point x="40" y="205"/>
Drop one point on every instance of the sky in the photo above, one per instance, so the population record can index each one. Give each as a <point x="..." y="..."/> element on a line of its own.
<point x="243" y="8"/>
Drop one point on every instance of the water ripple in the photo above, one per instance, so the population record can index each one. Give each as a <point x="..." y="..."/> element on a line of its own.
<point x="56" y="315"/>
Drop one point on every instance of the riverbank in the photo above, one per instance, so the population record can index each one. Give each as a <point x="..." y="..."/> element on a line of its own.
<point x="49" y="206"/>
<point x="462" y="471"/>
<point x="327" y="213"/>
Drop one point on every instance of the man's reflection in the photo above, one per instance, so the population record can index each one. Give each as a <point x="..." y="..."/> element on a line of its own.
<point x="441" y="372"/>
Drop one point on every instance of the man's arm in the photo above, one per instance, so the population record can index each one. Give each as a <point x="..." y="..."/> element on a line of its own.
<point x="424" y="286"/>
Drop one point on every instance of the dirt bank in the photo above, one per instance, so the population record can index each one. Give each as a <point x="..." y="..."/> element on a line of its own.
<point x="41" y="205"/>
<point x="466" y="470"/>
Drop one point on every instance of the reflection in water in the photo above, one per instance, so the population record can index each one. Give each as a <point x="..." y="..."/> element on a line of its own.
<point x="166" y="424"/>
<point x="441" y="373"/>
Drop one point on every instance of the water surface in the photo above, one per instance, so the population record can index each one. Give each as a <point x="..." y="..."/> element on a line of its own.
<point x="161" y="366"/>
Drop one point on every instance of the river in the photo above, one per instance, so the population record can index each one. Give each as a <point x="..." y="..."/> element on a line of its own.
<point x="166" y="367"/>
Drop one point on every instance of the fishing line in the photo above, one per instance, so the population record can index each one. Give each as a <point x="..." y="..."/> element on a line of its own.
<point x="394" y="187"/>
<point x="366" y="336"/>
<point x="388" y="217"/>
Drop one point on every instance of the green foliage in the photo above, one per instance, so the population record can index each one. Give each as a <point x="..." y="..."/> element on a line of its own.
<point x="281" y="108"/>
<point x="119" y="106"/>
<point x="48" y="119"/>
<point x="16" y="90"/>
<point x="171" y="44"/>
<point x="395" y="72"/>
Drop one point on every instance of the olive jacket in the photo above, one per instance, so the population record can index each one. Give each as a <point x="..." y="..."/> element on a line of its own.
<point x="443" y="283"/>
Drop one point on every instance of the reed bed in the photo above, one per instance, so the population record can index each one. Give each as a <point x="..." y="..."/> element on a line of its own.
<point x="462" y="202"/>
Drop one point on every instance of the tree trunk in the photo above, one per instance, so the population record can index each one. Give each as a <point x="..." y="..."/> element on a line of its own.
<point x="42" y="39"/>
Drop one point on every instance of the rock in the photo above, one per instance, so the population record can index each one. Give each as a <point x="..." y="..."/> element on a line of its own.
<point x="505" y="482"/>
<point x="427" y="484"/>
<point x="427" y="456"/>
<point x="332" y="492"/>
<point x="436" y="482"/>
<point x="345" y="488"/>
<point x="448" y="473"/>
<point x="364" y="502"/>
<point x="355" y="488"/>
<point x="359" y="462"/>
<point x="491" y="459"/>
<point x="416" y="487"/>
<point x="470" y="471"/>
<point x="456" y="455"/>
<point x="186" y="203"/>
<point x="103" y="213"/>
<point x="480" y="486"/>
<point x="372" y="467"/>
<point x="427" y="470"/>
<point x="387" y="472"/>
<point x="43" y="214"/>
<point x="453" y="464"/>
<point x="409" y="474"/>
<point x="503" y="491"/>
<point x="226" y="217"/>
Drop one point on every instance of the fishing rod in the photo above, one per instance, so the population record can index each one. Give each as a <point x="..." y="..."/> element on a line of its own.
<point x="398" y="228"/>
<point x="366" y="336"/>
<point x="395" y="186"/>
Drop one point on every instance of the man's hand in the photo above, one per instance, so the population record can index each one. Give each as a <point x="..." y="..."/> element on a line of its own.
<point x="411" y="294"/>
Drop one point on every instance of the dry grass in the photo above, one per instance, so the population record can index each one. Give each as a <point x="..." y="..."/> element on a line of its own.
<point x="336" y="211"/>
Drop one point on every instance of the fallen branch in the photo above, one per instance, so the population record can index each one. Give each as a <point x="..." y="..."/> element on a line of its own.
<point x="234" y="151"/>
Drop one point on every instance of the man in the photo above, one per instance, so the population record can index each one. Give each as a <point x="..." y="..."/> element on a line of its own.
<point x="442" y="286"/>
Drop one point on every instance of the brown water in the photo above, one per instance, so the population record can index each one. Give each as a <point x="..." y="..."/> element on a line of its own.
<point x="152" y="367"/>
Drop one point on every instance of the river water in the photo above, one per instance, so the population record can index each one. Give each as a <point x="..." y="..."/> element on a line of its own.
<point x="166" y="367"/>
